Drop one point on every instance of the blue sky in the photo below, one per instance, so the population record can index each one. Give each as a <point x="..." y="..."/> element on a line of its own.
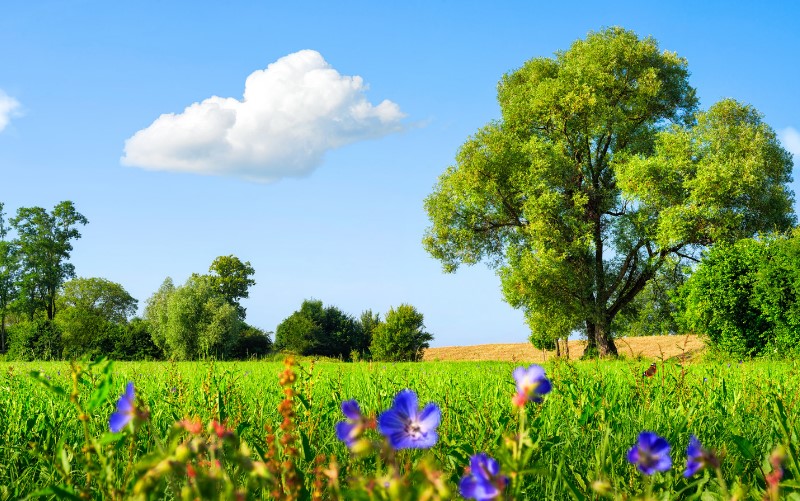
<point x="322" y="189"/>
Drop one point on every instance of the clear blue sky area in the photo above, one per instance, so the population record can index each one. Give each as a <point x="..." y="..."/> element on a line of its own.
<point x="138" y="113"/>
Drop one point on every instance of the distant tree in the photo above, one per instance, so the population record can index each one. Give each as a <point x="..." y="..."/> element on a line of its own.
<point x="44" y="241"/>
<point x="193" y="320"/>
<point x="598" y="173"/>
<point x="155" y="313"/>
<point x="315" y="330"/>
<point x="299" y="333"/>
<point x="134" y="342"/>
<point x="368" y="322"/>
<point x="92" y="314"/>
<point x="9" y="270"/>
<point x="38" y="339"/>
<point x="401" y="336"/>
<point x="231" y="277"/>
<point x="253" y="342"/>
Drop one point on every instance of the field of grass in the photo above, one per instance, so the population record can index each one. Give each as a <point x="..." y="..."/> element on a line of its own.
<point x="729" y="407"/>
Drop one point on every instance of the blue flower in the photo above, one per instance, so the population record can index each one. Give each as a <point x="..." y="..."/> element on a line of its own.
<point x="406" y="427"/>
<point x="126" y="410"/>
<point x="349" y="431"/>
<point x="650" y="453"/>
<point x="483" y="480"/>
<point x="698" y="458"/>
<point x="532" y="384"/>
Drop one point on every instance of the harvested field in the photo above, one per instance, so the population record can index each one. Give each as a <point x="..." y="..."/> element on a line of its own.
<point x="647" y="347"/>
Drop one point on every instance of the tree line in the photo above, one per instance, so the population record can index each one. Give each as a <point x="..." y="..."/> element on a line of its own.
<point x="46" y="312"/>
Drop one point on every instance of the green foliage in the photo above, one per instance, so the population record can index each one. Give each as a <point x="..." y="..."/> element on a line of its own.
<point x="599" y="173"/>
<point x="653" y="312"/>
<point x="745" y="297"/>
<point x="39" y="339"/>
<point x="9" y="270"/>
<point x="315" y="330"/>
<point x="45" y="242"/>
<point x="133" y="341"/>
<point x="401" y="337"/>
<point x="716" y="299"/>
<point x="368" y="322"/>
<point x="253" y="342"/>
<point x="232" y="279"/>
<point x="93" y="313"/>
<point x="193" y="320"/>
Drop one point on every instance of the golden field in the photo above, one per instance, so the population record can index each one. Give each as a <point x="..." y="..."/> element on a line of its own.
<point x="646" y="347"/>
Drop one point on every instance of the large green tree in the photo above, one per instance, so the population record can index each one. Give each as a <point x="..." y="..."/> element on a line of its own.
<point x="599" y="172"/>
<point x="93" y="313"/>
<point x="44" y="240"/>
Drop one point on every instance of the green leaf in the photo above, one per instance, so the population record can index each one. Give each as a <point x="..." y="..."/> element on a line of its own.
<point x="42" y="379"/>
<point x="745" y="447"/>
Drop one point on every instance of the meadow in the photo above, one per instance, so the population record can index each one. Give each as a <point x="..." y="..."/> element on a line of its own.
<point x="580" y="433"/>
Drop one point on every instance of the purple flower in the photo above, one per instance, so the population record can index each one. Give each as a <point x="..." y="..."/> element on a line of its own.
<point x="650" y="453"/>
<point x="698" y="458"/>
<point x="532" y="384"/>
<point x="482" y="480"/>
<point x="349" y="431"/>
<point x="405" y="427"/>
<point x="126" y="410"/>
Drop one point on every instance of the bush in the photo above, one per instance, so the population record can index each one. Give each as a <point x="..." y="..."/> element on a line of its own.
<point x="314" y="330"/>
<point x="39" y="339"/>
<point x="744" y="297"/>
<point x="253" y="342"/>
<point x="400" y="337"/>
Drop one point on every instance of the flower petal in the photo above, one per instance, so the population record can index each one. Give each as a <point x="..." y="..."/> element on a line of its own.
<point x="346" y="432"/>
<point x="430" y="417"/>
<point x="390" y="421"/>
<point x="351" y="410"/>
<point x="405" y="403"/>
<point x="118" y="420"/>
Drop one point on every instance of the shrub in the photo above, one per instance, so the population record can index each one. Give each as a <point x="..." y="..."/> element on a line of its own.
<point x="744" y="297"/>
<point x="314" y="330"/>
<point x="401" y="336"/>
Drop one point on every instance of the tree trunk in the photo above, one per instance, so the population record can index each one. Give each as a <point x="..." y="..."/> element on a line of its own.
<point x="604" y="341"/>
<point x="599" y="341"/>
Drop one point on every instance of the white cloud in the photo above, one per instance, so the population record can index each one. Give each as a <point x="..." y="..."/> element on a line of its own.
<point x="292" y="112"/>
<point x="9" y="107"/>
<point x="790" y="139"/>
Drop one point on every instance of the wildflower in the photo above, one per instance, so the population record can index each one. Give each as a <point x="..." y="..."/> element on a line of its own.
<point x="406" y="427"/>
<point x="650" y="453"/>
<point x="192" y="425"/>
<point x="349" y="431"/>
<point x="698" y="458"/>
<point x="126" y="410"/>
<point x="482" y="479"/>
<point x="531" y="385"/>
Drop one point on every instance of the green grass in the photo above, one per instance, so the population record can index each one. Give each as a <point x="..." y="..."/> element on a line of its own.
<point x="728" y="406"/>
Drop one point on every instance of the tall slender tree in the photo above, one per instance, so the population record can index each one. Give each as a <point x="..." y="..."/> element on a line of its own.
<point x="9" y="269"/>
<point x="44" y="241"/>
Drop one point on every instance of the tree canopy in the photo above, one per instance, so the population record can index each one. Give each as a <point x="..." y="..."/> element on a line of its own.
<point x="601" y="171"/>
<point x="44" y="242"/>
